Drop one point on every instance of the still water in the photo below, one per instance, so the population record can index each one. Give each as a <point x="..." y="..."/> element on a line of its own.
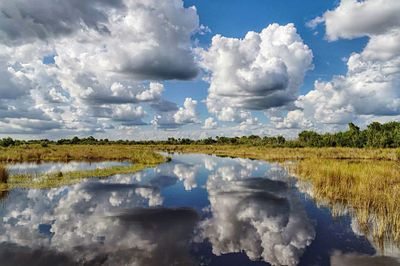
<point x="194" y="210"/>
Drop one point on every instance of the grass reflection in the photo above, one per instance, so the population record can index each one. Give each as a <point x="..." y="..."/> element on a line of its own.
<point x="369" y="190"/>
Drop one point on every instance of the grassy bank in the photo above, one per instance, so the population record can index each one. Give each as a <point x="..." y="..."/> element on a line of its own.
<point x="364" y="181"/>
<point x="284" y="154"/>
<point x="140" y="156"/>
<point x="37" y="153"/>
<point x="370" y="189"/>
<point x="59" y="179"/>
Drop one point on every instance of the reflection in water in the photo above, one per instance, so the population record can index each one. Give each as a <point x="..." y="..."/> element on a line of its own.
<point x="258" y="216"/>
<point x="363" y="223"/>
<point x="45" y="168"/>
<point x="196" y="209"/>
<point x="339" y="259"/>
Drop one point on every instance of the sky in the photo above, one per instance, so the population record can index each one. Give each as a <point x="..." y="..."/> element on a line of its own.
<point x="151" y="69"/>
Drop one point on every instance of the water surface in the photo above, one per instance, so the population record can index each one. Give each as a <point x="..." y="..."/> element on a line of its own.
<point x="194" y="210"/>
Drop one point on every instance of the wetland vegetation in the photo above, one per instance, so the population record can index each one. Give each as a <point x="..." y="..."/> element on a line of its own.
<point x="356" y="169"/>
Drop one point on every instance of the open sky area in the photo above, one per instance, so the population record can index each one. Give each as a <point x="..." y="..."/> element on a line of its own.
<point x="151" y="69"/>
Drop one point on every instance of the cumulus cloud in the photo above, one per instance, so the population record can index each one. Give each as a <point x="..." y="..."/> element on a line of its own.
<point x="129" y="115"/>
<point x="187" y="114"/>
<point x="260" y="71"/>
<point x="294" y="119"/>
<point x="354" y="18"/>
<point x="369" y="90"/>
<point x="105" y="54"/>
<point x="209" y="123"/>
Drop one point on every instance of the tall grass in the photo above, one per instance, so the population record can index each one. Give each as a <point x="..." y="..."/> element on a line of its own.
<point x="59" y="179"/>
<point x="370" y="189"/>
<point x="3" y="174"/>
<point x="35" y="153"/>
<point x="365" y="182"/>
<point x="284" y="154"/>
<point x="141" y="158"/>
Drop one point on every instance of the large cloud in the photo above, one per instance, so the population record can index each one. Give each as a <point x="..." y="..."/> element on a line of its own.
<point x="260" y="71"/>
<point x="369" y="90"/>
<point x="107" y="55"/>
<point x="354" y="18"/>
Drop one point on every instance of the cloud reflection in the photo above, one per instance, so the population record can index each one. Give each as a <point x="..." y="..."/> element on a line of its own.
<point x="256" y="215"/>
<point x="81" y="224"/>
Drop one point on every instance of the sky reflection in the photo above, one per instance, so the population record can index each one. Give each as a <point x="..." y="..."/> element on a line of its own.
<point x="196" y="209"/>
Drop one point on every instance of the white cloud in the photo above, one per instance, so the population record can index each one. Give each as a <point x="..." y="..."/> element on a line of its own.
<point x="261" y="71"/>
<point x="209" y="123"/>
<point x="294" y="119"/>
<point x="187" y="114"/>
<point x="369" y="91"/>
<point x="106" y="54"/>
<point x="354" y="18"/>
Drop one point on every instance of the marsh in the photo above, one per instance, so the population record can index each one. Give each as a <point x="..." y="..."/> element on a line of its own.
<point x="193" y="210"/>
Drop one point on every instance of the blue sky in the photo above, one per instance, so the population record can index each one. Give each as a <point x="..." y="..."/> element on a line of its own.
<point x="194" y="68"/>
<point x="236" y="18"/>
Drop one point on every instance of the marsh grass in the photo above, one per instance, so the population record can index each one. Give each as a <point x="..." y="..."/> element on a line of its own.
<point x="284" y="154"/>
<point x="369" y="189"/>
<point x="3" y="174"/>
<point x="141" y="157"/>
<point x="362" y="182"/>
<point x="59" y="179"/>
<point x="37" y="153"/>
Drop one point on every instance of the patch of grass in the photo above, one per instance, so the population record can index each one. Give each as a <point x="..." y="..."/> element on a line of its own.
<point x="37" y="153"/>
<point x="140" y="156"/>
<point x="370" y="189"/>
<point x="59" y="179"/>
<point x="3" y="174"/>
<point x="284" y="154"/>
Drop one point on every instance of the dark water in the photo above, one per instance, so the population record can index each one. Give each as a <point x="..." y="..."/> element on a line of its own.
<point x="194" y="210"/>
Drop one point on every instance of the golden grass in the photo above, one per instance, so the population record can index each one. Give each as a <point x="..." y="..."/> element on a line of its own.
<point x="364" y="181"/>
<point x="59" y="179"/>
<point x="141" y="157"/>
<point x="371" y="189"/>
<point x="37" y="153"/>
<point x="284" y="154"/>
<point x="3" y="174"/>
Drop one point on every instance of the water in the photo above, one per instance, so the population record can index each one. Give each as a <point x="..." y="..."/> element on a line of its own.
<point x="194" y="210"/>
<point x="43" y="168"/>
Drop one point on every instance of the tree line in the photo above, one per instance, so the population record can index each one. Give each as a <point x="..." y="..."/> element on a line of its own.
<point x="375" y="135"/>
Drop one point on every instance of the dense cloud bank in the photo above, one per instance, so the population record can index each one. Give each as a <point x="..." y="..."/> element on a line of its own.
<point x="99" y="67"/>
<point x="92" y="66"/>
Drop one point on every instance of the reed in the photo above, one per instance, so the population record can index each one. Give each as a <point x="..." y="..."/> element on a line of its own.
<point x="59" y="179"/>
<point x="35" y="153"/>
<point x="3" y="174"/>
<point x="370" y="189"/>
<point x="284" y="154"/>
